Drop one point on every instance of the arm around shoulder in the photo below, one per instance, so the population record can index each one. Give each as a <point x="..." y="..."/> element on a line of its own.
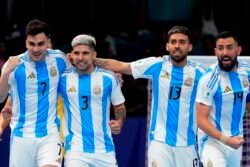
<point x="114" y="65"/>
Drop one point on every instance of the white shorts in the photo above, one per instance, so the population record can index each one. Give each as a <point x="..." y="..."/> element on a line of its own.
<point x="162" y="155"/>
<point x="75" y="158"/>
<point x="215" y="153"/>
<point x="33" y="152"/>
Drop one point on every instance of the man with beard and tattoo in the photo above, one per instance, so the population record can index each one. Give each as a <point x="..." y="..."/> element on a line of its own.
<point x="172" y="133"/>
<point x="220" y="103"/>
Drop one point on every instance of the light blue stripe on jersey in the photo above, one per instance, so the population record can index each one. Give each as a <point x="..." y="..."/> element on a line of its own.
<point x="63" y="88"/>
<point x="237" y="107"/>
<point x="174" y="105"/>
<point x="105" y="100"/>
<point x="84" y="87"/>
<point x="43" y="99"/>
<point x="157" y="69"/>
<point x="218" y="108"/>
<point x="21" y="88"/>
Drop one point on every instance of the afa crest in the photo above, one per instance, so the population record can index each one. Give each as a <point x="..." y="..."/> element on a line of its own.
<point x="52" y="71"/>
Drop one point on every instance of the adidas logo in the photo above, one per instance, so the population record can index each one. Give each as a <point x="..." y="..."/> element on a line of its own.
<point x="31" y="76"/>
<point x="227" y="89"/>
<point x="72" y="89"/>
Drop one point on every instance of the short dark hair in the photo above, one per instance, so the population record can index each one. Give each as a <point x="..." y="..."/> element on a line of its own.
<point x="227" y="34"/>
<point x="36" y="26"/>
<point x="180" y="29"/>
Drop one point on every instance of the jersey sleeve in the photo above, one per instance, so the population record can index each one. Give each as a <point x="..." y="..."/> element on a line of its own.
<point x="204" y="92"/>
<point x="143" y="68"/>
<point x="117" y="96"/>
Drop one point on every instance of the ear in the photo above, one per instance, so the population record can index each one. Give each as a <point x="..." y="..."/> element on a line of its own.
<point x="167" y="47"/>
<point x="190" y="48"/>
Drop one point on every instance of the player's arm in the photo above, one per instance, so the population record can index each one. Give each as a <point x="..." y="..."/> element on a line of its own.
<point x="203" y="112"/>
<point x="10" y="65"/>
<point x="114" y="65"/>
<point x="5" y="115"/>
<point x="120" y="116"/>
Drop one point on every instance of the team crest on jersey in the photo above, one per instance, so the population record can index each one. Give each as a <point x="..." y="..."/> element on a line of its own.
<point x="209" y="163"/>
<point x="31" y="76"/>
<point x="72" y="89"/>
<point x="245" y="82"/>
<point x="154" y="163"/>
<point x="166" y="75"/>
<point x="52" y="71"/>
<point x="97" y="90"/>
<point x="227" y="89"/>
<point x="188" y="82"/>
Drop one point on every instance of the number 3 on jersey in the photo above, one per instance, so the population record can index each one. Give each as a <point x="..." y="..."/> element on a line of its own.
<point x="85" y="102"/>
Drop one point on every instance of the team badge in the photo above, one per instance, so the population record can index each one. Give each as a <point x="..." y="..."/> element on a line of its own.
<point x="97" y="90"/>
<point x="52" y="71"/>
<point x="154" y="163"/>
<point x="209" y="163"/>
<point x="245" y="82"/>
<point x="189" y="82"/>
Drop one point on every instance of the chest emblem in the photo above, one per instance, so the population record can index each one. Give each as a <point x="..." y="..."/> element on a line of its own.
<point x="97" y="90"/>
<point x="245" y="82"/>
<point x="189" y="82"/>
<point x="52" y="71"/>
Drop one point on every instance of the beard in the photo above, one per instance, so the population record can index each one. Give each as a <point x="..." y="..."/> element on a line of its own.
<point x="228" y="67"/>
<point x="178" y="59"/>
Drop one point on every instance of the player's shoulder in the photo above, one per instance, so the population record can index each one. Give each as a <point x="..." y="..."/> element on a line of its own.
<point x="56" y="53"/>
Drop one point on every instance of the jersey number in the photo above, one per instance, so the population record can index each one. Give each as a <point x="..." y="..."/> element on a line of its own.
<point x="238" y="96"/>
<point x="85" y="102"/>
<point x="175" y="92"/>
<point x="44" y="85"/>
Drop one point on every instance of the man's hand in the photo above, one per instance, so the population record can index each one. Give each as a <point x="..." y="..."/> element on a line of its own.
<point x="6" y="112"/>
<point x="12" y="63"/>
<point x="235" y="142"/>
<point x="115" y="126"/>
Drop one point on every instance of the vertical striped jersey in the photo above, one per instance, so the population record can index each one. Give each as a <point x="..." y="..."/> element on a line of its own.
<point x="33" y="90"/>
<point x="87" y="100"/>
<point x="173" y="119"/>
<point x="226" y="93"/>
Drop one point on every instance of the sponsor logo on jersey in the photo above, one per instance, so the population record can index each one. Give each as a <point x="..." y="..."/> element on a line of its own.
<point x="72" y="89"/>
<point x="166" y="75"/>
<point x="52" y="71"/>
<point x="227" y="89"/>
<point x="31" y="76"/>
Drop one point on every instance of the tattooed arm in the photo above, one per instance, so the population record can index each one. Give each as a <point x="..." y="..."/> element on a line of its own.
<point x="114" y="65"/>
<point x="120" y="116"/>
<point x="5" y="116"/>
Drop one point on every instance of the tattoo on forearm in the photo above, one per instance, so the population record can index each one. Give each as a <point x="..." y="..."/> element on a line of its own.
<point x="101" y="62"/>
<point x="120" y="112"/>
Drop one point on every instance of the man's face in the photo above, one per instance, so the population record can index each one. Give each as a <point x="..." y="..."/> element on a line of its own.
<point x="227" y="50"/>
<point x="37" y="46"/>
<point x="83" y="58"/>
<point x="178" y="47"/>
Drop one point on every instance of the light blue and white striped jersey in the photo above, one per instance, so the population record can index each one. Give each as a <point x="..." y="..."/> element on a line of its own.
<point x="226" y="93"/>
<point x="173" y="118"/>
<point x="33" y="90"/>
<point x="87" y="100"/>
